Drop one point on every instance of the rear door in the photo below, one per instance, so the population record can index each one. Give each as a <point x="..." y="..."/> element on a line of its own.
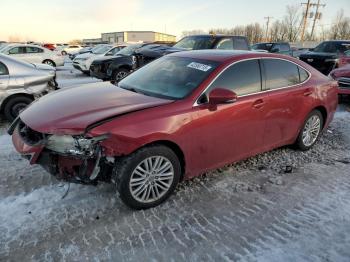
<point x="232" y="131"/>
<point x="288" y="102"/>
<point x="34" y="54"/>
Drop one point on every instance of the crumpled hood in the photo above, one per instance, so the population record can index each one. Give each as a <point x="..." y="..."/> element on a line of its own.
<point x="72" y="110"/>
<point x="341" y="72"/>
<point x="44" y="67"/>
<point x="106" y="58"/>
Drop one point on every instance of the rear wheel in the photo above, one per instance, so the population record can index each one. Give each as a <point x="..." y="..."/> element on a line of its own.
<point x="147" y="177"/>
<point x="15" y="106"/>
<point x="310" y="131"/>
<point x="49" y="62"/>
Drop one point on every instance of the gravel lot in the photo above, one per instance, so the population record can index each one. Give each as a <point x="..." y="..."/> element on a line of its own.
<point x="283" y="205"/>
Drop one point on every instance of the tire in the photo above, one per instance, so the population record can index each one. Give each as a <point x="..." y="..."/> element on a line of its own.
<point x="15" y="105"/>
<point x="149" y="185"/>
<point x="315" y="119"/>
<point x="119" y="74"/>
<point x="64" y="53"/>
<point x="49" y="62"/>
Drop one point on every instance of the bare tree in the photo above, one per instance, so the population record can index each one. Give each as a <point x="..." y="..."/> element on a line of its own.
<point x="341" y="27"/>
<point x="193" y="32"/>
<point x="292" y="21"/>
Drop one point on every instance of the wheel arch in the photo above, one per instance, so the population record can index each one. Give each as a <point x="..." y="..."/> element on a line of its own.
<point x="9" y="98"/>
<point x="43" y="62"/>
<point x="324" y="113"/>
<point x="177" y="150"/>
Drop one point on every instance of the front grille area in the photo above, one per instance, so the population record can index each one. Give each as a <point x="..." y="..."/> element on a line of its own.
<point x="30" y="136"/>
<point x="344" y="83"/>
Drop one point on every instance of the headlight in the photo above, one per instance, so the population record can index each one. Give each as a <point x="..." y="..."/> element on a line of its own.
<point x="334" y="60"/>
<point x="133" y="60"/>
<point x="67" y="144"/>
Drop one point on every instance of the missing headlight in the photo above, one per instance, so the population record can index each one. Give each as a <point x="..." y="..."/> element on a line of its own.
<point x="66" y="144"/>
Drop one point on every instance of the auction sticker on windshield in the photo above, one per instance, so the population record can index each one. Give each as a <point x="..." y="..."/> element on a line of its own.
<point x="199" y="66"/>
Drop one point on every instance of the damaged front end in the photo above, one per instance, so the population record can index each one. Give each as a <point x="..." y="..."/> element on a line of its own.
<point x="76" y="159"/>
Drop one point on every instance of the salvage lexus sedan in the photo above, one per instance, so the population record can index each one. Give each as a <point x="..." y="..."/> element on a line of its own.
<point x="175" y="118"/>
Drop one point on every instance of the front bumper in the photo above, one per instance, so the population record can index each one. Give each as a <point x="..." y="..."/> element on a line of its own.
<point x="344" y="86"/>
<point x="80" y="66"/>
<point x="99" y="71"/>
<point x="82" y="169"/>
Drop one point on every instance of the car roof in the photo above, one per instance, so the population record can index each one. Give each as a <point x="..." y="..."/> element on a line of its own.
<point x="224" y="55"/>
<point x="215" y="35"/>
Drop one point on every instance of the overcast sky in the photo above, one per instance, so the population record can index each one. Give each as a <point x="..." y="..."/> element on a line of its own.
<point x="64" y="20"/>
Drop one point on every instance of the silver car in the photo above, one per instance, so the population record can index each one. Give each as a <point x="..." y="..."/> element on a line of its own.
<point x="21" y="83"/>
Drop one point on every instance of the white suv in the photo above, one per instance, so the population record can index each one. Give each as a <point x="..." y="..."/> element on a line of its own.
<point x="34" y="54"/>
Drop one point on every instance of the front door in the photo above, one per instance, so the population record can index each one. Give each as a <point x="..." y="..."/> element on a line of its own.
<point x="234" y="131"/>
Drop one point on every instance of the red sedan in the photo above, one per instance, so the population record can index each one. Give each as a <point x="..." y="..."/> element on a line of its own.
<point x="175" y="118"/>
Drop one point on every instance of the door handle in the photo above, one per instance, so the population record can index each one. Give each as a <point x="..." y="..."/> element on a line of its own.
<point x="308" y="92"/>
<point x="258" y="103"/>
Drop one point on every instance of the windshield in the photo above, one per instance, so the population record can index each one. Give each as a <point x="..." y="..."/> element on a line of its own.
<point x="169" y="77"/>
<point x="129" y="50"/>
<point x="195" y="42"/>
<point x="100" y="49"/>
<point x="113" y="51"/>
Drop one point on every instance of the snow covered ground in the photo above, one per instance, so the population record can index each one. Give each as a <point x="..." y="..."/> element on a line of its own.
<point x="284" y="205"/>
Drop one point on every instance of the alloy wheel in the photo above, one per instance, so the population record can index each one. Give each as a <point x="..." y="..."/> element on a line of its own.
<point x="151" y="179"/>
<point x="120" y="75"/>
<point x="311" y="130"/>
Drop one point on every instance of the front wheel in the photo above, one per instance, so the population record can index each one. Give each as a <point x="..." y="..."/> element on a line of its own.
<point x="119" y="74"/>
<point x="310" y="131"/>
<point x="147" y="177"/>
<point x="15" y="106"/>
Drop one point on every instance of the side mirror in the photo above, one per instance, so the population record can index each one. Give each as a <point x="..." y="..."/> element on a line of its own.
<point x="222" y="96"/>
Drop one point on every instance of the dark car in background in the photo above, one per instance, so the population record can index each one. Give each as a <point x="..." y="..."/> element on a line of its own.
<point x="325" y="57"/>
<point x="119" y="67"/>
<point x="116" y="67"/>
<point x="274" y="47"/>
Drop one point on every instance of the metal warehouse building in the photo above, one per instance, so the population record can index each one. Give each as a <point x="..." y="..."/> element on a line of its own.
<point x="132" y="36"/>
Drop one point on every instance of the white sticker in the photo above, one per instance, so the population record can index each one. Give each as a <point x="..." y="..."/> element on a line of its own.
<point x="199" y="66"/>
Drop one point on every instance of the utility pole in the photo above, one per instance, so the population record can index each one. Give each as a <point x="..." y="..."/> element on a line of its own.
<point x="305" y="19"/>
<point x="267" y="27"/>
<point x="317" y="16"/>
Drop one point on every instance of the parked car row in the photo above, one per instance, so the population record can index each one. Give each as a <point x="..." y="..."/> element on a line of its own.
<point x="33" y="54"/>
<point x="135" y="56"/>
<point x="185" y="113"/>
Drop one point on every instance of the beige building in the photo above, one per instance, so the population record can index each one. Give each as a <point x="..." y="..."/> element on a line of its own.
<point x="133" y="36"/>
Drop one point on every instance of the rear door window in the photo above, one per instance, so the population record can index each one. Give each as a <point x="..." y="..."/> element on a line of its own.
<point x="242" y="78"/>
<point x="280" y="73"/>
<point x="32" y="49"/>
